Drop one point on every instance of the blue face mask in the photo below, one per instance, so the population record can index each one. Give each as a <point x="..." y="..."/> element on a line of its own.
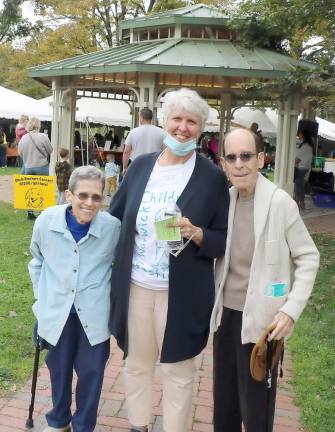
<point x="178" y="148"/>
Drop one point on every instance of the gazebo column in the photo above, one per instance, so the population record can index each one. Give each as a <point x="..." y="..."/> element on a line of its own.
<point x="67" y="120"/>
<point x="56" y="95"/>
<point x="147" y="92"/>
<point x="225" y="114"/>
<point x="307" y="110"/>
<point x="286" y="142"/>
<point x="63" y="122"/>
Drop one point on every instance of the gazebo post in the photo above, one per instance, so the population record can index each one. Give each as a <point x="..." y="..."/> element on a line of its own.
<point x="225" y="114"/>
<point x="67" y="120"/>
<point x="63" y="121"/>
<point x="56" y="94"/>
<point x="286" y="139"/>
<point x="147" y="91"/>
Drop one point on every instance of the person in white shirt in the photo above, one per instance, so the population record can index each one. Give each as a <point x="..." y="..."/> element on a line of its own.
<point x="111" y="172"/>
<point x="161" y="303"/>
<point x="146" y="138"/>
<point x="303" y="163"/>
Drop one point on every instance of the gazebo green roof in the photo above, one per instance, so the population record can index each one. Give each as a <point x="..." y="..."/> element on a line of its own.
<point x="185" y="56"/>
<point x="196" y="14"/>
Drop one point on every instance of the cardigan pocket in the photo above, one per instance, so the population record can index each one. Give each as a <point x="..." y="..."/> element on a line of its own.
<point x="272" y="252"/>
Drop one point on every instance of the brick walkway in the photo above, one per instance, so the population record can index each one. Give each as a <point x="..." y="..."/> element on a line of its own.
<point x="112" y="411"/>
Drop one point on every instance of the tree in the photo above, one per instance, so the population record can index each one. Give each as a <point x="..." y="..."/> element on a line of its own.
<point x="299" y="27"/>
<point x="100" y="18"/>
<point x="11" y="22"/>
<point x="304" y="29"/>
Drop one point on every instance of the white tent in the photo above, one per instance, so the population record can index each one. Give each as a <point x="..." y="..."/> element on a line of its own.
<point x="13" y="104"/>
<point x="245" y="116"/>
<point x="105" y="111"/>
<point x="268" y="120"/>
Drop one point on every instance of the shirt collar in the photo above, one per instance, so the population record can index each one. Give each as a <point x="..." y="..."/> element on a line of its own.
<point x="58" y="222"/>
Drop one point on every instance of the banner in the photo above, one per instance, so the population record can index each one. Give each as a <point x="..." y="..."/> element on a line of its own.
<point x="34" y="192"/>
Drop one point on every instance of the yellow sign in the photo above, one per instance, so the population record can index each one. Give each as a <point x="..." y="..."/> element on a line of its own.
<point x="33" y="192"/>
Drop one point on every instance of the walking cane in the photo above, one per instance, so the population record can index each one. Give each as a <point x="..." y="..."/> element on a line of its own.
<point x="30" y="421"/>
<point x="268" y="417"/>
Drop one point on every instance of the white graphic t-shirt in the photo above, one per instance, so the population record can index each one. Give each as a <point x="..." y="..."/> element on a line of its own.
<point x="151" y="260"/>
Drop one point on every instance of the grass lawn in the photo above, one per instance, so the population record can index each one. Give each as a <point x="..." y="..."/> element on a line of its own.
<point x="10" y="171"/>
<point x="313" y="347"/>
<point x="16" y="298"/>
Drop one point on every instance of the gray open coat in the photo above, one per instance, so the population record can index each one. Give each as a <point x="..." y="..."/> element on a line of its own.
<point x="205" y="201"/>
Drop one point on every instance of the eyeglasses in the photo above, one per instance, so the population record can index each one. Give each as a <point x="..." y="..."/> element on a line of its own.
<point x="84" y="196"/>
<point x="243" y="156"/>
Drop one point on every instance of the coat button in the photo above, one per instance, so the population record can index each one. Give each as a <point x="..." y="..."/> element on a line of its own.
<point x="75" y="270"/>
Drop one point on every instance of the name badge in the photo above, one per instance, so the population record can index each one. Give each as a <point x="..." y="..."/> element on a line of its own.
<point x="276" y="289"/>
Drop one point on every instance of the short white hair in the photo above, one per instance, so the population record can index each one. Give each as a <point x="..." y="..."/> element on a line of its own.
<point x="86" y="172"/>
<point x="186" y="100"/>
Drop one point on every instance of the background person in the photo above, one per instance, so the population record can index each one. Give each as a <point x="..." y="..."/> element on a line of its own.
<point x="63" y="171"/>
<point x="3" y="148"/>
<point x="267" y="239"/>
<point x="161" y="304"/>
<point x="303" y="164"/>
<point x="21" y="127"/>
<point x="143" y="139"/>
<point x="34" y="149"/>
<point x="73" y="247"/>
<point x="111" y="172"/>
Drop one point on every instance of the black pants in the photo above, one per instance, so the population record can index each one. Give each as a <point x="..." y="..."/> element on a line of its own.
<point x="237" y="396"/>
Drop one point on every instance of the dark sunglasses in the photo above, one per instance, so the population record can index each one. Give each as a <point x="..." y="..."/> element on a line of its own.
<point x="243" y="156"/>
<point x="84" y="196"/>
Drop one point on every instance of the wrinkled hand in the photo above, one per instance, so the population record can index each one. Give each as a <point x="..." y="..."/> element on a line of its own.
<point x="284" y="324"/>
<point x="188" y="230"/>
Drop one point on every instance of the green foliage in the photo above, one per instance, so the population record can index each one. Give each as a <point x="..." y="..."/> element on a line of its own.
<point x="313" y="347"/>
<point x="16" y="298"/>
<point x="11" y="23"/>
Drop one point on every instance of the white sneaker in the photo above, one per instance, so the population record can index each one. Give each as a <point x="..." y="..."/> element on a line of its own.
<point x="52" y="429"/>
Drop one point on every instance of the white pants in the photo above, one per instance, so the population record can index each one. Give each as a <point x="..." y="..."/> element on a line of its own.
<point x="146" y="326"/>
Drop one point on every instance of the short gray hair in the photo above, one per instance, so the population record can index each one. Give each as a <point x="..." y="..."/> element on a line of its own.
<point x="187" y="100"/>
<point x="86" y="172"/>
<point x="33" y="124"/>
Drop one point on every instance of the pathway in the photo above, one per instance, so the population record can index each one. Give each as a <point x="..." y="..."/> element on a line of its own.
<point x="112" y="412"/>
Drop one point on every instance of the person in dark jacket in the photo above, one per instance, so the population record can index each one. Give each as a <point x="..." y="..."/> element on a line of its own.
<point x="161" y="303"/>
<point x="63" y="171"/>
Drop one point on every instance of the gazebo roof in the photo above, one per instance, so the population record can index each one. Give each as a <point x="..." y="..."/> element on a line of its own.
<point x="196" y="14"/>
<point x="179" y="56"/>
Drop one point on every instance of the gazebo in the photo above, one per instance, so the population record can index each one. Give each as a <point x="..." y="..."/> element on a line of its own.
<point x="188" y="47"/>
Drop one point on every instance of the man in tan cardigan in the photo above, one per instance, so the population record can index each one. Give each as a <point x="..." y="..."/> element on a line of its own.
<point x="266" y="277"/>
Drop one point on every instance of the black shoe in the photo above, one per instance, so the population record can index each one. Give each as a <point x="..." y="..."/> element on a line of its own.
<point x="31" y="216"/>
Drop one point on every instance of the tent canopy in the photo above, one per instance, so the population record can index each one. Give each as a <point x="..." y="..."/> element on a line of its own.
<point x="13" y="104"/>
<point x="103" y="111"/>
<point x="268" y="120"/>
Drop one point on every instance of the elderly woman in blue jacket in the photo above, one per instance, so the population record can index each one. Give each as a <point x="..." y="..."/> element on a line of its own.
<point x="265" y="277"/>
<point x="73" y="247"/>
<point x="161" y="303"/>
